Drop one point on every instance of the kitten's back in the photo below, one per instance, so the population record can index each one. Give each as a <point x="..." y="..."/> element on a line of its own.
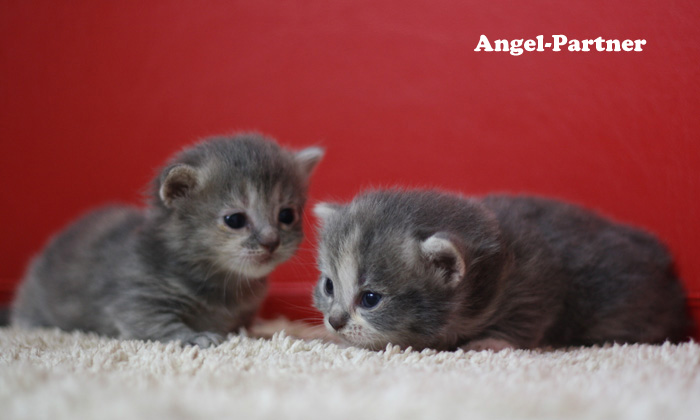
<point x="68" y="282"/>
<point x="618" y="281"/>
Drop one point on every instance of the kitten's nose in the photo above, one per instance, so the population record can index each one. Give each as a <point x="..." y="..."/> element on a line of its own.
<point x="338" y="321"/>
<point x="271" y="245"/>
<point x="269" y="240"/>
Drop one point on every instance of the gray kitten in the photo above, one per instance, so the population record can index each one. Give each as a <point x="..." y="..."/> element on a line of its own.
<point x="432" y="270"/>
<point x="192" y="266"/>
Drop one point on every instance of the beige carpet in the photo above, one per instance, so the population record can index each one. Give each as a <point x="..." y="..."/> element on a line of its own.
<point x="55" y="375"/>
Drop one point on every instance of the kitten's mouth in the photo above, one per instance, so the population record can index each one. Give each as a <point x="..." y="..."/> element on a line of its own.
<point x="263" y="258"/>
<point x="256" y="263"/>
<point x="258" y="257"/>
<point x="362" y="342"/>
<point x="354" y="336"/>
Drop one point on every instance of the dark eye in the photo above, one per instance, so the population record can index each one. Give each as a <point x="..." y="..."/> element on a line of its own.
<point x="286" y="216"/>
<point x="328" y="286"/>
<point x="370" y="299"/>
<point x="235" y="220"/>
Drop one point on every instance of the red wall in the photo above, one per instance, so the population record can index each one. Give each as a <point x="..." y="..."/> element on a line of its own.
<point x="95" y="95"/>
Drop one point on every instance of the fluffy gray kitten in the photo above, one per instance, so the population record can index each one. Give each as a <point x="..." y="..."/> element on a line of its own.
<point x="432" y="270"/>
<point x="190" y="267"/>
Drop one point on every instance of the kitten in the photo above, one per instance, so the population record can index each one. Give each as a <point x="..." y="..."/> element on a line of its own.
<point x="431" y="270"/>
<point x="192" y="266"/>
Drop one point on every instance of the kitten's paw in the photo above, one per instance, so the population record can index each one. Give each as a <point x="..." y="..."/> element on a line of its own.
<point x="203" y="339"/>
<point x="487" y="344"/>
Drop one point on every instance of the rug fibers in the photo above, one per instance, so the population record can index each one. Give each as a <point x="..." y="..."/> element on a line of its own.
<point x="49" y="374"/>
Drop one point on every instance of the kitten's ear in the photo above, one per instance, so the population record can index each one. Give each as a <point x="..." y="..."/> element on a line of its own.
<point x="308" y="158"/>
<point x="176" y="182"/>
<point x="325" y="210"/>
<point x="447" y="253"/>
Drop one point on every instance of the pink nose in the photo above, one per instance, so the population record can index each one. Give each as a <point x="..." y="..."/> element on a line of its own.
<point x="338" y="321"/>
<point x="270" y="244"/>
<point x="269" y="239"/>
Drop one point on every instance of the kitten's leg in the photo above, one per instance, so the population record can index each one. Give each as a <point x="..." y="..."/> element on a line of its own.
<point x="167" y="329"/>
<point x="201" y="339"/>
<point x="494" y="344"/>
<point x="161" y="324"/>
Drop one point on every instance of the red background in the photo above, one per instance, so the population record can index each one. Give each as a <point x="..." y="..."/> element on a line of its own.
<point x="95" y="95"/>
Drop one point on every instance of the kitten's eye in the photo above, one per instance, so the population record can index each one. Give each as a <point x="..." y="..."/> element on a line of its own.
<point x="286" y="216"/>
<point x="235" y="220"/>
<point x="328" y="286"/>
<point x="370" y="299"/>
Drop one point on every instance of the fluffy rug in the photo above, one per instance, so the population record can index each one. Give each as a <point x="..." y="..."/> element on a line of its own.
<point x="48" y="374"/>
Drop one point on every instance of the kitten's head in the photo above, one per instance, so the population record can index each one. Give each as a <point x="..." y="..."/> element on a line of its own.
<point x="234" y="204"/>
<point x="392" y="271"/>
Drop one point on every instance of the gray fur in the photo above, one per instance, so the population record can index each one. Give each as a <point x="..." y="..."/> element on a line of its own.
<point x="538" y="273"/>
<point x="175" y="271"/>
